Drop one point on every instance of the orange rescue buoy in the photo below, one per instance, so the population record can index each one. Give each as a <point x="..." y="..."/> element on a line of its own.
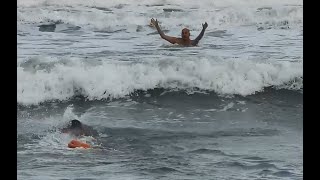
<point x="78" y="144"/>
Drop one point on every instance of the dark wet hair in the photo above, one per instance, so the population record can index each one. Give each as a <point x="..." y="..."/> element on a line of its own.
<point x="75" y="124"/>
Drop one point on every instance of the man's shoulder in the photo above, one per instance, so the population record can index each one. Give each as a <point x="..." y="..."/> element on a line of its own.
<point x="90" y="130"/>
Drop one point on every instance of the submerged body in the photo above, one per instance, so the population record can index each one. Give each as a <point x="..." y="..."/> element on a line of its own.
<point x="76" y="128"/>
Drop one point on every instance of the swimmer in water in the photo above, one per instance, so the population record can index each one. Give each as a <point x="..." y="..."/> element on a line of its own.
<point x="185" y="35"/>
<point x="76" y="128"/>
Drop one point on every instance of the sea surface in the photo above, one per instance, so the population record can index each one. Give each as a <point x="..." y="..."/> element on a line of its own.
<point x="230" y="108"/>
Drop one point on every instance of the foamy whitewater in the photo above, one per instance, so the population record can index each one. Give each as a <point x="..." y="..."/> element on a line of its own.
<point x="229" y="108"/>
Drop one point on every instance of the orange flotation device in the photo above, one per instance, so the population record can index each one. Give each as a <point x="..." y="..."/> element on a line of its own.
<point x="78" y="144"/>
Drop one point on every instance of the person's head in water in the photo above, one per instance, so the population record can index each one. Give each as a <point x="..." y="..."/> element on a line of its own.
<point x="75" y="127"/>
<point x="185" y="34"/>
<point x="75" y="124"/>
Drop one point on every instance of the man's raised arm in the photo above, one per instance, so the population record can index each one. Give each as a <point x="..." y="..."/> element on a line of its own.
<point x="204" y="27"/>
<point x="172" y="40"/>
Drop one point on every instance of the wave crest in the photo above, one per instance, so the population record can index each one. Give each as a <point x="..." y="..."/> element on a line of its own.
<point x="63" y="81"/>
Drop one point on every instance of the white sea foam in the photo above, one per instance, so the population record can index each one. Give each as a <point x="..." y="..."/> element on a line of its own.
<point x="116" y="80"/>
<point x="115" y="15"/>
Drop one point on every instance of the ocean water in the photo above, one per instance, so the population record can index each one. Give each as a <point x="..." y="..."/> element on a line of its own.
<point x="229" y="108"/>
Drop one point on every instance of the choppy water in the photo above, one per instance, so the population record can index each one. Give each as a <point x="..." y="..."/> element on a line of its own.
<point x="230" y="108"/>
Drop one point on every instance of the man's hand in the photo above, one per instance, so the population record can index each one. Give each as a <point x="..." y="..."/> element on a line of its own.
<point x="154" y="22"/>
<point x="205" y="25"/>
